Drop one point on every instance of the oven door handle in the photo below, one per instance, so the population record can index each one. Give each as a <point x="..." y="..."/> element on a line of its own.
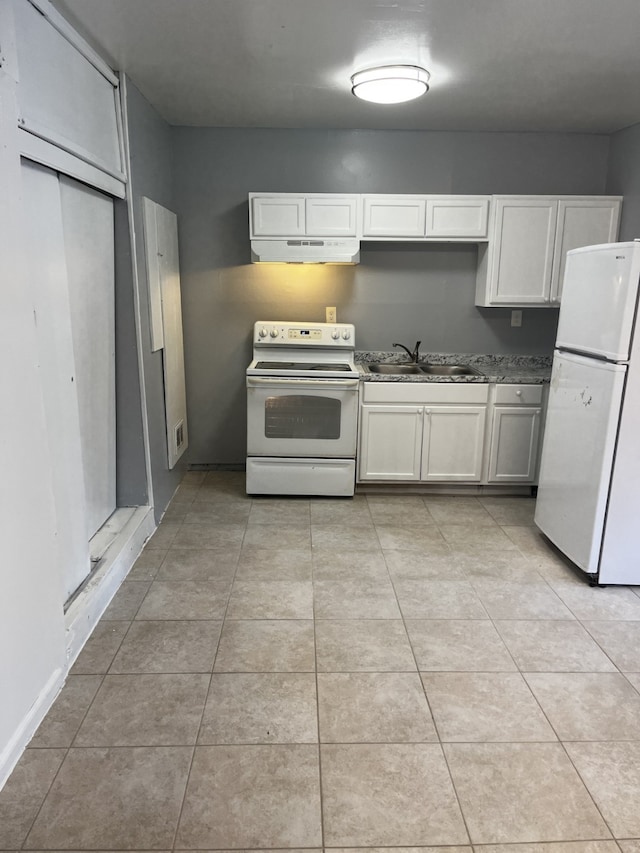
<point x="277" y="382"/>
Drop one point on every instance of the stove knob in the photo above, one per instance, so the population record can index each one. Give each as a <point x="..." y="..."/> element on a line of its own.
<point x="335" y="334"/>
<point x="263" y="332"/>
<point x="346" y="334"/>
<point x="274" y="333"/>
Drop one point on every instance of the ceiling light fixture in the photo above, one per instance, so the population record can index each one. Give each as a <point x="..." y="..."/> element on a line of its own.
<point x="390" y="84"/>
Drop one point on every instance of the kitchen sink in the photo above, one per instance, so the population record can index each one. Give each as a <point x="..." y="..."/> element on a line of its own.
<point x="449" y="370"/>
<point x="421" y="369"/>
<point x="395" y="368"/>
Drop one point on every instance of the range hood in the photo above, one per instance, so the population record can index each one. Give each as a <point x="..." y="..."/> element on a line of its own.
<point x="294" y="251"/>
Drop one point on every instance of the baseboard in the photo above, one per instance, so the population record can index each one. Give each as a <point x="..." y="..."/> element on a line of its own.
<point x="13" y="750"/>
<point x="85" y="611"/>
<point x="217" y="466"/>
<point x="81" y="618"/>
<point x="442" y="489"/>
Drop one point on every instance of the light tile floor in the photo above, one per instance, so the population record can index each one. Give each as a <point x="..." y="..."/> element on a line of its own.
<point x="383" y="672"/>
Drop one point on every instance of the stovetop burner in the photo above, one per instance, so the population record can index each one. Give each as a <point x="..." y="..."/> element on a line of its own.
<point x="299" y="365"/>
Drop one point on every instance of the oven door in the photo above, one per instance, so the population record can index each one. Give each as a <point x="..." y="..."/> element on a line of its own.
<point x="302" y="417"/>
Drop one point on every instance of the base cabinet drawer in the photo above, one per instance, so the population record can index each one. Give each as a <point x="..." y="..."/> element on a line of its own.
<point x="518" y="395"/>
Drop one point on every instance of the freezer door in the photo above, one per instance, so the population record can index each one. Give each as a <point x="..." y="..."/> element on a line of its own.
<point x="577" y="455"/>
<point x="599" y="298"/>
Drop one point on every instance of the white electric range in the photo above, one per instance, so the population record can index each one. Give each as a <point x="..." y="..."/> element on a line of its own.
<point x="302" y="409"/>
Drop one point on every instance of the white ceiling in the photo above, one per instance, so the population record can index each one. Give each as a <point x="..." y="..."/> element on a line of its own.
<point x="496" y="65"/>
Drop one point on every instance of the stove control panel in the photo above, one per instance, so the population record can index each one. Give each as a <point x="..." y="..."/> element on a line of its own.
<point x="269" y="333"/>
<point x="305" y="334"/>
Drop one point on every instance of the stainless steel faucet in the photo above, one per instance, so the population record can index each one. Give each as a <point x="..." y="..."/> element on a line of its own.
<point x="415" y="355"/>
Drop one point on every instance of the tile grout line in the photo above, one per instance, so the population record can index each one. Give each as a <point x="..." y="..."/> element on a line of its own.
<point x="315" y="661"/>
<point x="224" y="621"/>
<point x="433" y="719"/>
<point x="204" y="708"/>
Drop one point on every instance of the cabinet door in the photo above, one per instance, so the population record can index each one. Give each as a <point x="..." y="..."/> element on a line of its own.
<point x="522" y="257"/>
<point x="514" y="444"/>
<point x="394" y="216"/>
<point x="581" y="222"/>
<point x="462" y="217"/>
<point x="390" y="443"/>
<point x="452" y="444"/>
<point x="331" y="216"/>
<point x="277" y="216"/>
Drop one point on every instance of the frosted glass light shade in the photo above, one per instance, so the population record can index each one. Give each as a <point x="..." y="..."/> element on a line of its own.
<point x="390" y="84"/>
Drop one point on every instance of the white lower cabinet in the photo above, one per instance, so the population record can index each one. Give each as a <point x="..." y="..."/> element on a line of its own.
<point x="515" y="434"/>
<point x="514" y="445"/>
<point x="450" y="433"/>
<point x="422" y="432"/>
<point x="453" y="438"/>
<point x="390" y="442"/>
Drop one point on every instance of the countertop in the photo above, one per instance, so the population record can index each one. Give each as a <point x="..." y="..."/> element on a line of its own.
<point x="507" y="369"/>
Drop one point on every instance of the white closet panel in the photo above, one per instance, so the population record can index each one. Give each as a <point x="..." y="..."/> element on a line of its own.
<point x="87" y="217"/>
<point x="175" y="398"/>
<point x="62" y="96"/>
<point x="45" y="253"/>
<point x="154" y="273"/>
<point x="165" y="306"/>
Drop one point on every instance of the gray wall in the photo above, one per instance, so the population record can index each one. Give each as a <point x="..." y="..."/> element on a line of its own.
<point x="624" y="178"/>
<point x="131" y="469"/>
<point x="396" y="293"/>
<point x="151" y="176"/>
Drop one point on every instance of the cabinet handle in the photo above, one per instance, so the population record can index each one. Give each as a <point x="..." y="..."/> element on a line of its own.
<point x="518" y="393"/>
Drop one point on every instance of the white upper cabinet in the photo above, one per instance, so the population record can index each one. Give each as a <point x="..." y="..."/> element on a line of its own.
<point x="304" y="215"/>
<point x="581" y="222"/>
<point x="529" y="237"/>
<point x="519" y="256"/>
<point x="457" y="217"/>
<point x="429" y="217"/>
<point x="277" y="216"/>
<point x="399" y="216"/>
<point x="522" y="240"/>
<point x="332" y="216"/>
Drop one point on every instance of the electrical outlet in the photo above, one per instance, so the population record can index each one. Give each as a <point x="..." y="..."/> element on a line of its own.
<point x="332" y="315"/>
<point x="516" y="319"/>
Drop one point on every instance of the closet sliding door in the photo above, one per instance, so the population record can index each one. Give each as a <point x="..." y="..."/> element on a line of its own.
<point x="87" y="222"/>
<point x="71" y="257"/>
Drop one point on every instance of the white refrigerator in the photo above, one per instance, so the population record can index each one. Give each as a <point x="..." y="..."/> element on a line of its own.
<point x="589" y="486"/>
